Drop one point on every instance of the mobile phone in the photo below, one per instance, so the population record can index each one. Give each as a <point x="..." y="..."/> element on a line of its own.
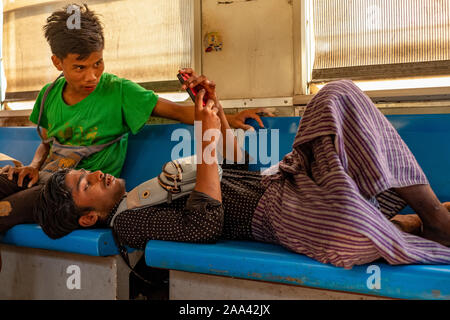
<point x="191" y="91"/>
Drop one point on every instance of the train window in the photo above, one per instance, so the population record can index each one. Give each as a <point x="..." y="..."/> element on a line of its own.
<point x="405" y="43"/>
<point x="145" y="41"/>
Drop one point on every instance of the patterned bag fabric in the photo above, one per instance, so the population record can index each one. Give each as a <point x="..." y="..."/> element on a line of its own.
<point x="65" y="156"/>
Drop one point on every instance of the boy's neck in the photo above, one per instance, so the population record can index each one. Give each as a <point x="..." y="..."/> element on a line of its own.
<point x="72" y="97"/>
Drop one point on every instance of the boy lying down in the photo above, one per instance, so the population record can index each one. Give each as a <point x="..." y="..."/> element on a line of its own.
<point x="334" y="197"/>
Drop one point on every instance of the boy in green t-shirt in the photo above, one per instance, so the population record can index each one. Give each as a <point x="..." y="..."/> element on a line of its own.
<point x="86" y="107"/>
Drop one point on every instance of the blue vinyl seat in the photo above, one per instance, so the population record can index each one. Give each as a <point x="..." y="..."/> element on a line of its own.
<point x="426" y="136"/>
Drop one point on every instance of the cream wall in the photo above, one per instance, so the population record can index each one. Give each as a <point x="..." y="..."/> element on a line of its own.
<point x="257" y="59"/>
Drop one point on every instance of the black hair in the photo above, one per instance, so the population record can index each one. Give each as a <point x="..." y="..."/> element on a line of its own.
<point x="55" y="210"/>
<point x="65" y="37"/>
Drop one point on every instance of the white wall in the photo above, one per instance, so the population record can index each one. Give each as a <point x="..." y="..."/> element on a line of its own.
<point x="257" y="59"/>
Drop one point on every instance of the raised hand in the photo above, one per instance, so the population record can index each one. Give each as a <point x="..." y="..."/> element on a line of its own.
<point x="31" y="172"/>
<point x="206" y="114"/>
<point x="199" y="82"/>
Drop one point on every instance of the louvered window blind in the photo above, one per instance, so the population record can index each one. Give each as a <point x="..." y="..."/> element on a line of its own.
<point x="380" y="39"/>
<point x="145" y="40"/>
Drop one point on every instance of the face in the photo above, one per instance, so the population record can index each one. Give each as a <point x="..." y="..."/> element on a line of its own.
<point x="82" y="76"/>
<point x="96" y="190"/>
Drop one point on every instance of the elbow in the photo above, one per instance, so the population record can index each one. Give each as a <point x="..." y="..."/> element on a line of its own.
<point x="211" y="228"/>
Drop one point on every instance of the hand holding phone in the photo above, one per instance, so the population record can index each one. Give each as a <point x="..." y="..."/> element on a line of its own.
<point x="191" y="91"/>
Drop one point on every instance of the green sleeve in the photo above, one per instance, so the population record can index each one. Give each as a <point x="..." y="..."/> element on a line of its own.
<point x="37" y="105"/>
<point x="137" y="104"/>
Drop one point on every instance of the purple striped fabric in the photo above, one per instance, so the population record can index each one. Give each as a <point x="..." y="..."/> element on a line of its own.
<point x="330" y="198"/>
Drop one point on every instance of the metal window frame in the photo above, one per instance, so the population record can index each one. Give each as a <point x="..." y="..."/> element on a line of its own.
<point x="304" y="61"/>
<point x="303" y="45"/>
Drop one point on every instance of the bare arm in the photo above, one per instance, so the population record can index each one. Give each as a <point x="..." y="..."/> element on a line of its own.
<point x="41" y="153"/>
<point x="185" y="114"/>
<point x="170" y="110"/>
<point x="207" y="169"/>
<point x="32" y="170"/>
<point x="230" y="147"/>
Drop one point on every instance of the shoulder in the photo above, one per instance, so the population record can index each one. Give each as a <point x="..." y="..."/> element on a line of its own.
<point x="111" y="81"/>
<point x="58" y="84"/>
<point x="44" y="88"/>
<point x="49" y="101"/>
<point x="51" y="94"/>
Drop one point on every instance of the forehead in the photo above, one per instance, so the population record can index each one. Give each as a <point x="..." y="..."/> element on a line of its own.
<point x="72" y="179"/>
<point x="72" y="58"/>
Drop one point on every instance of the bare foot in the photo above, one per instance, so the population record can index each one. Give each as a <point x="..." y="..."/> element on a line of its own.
<point x="409" y="223"/>
<point x="434" y="214"/>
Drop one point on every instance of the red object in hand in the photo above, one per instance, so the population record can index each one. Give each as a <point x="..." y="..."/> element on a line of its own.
<point x="191" y="91"/>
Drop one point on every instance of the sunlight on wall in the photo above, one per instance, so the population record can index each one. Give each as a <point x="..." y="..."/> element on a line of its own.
<point x="401" y="83"/>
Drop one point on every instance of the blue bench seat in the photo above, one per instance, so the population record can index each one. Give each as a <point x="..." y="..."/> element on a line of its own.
<point x="93" y="242"/>
<point x="426" y="136"/>
<point x="273" y="263"/>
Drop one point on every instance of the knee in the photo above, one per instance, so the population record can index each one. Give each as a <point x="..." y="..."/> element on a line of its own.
<point x="340" y="88"/>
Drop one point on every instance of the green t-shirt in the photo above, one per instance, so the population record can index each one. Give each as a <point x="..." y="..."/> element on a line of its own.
<point x="115" y="107"/>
